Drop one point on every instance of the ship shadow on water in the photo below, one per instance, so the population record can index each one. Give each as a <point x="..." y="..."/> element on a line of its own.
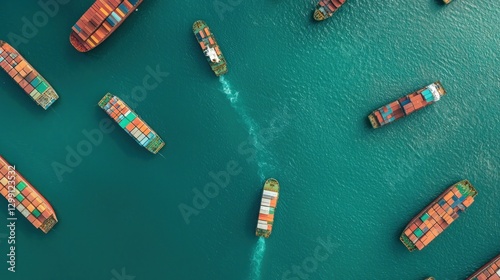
<point x="439" y="2"/>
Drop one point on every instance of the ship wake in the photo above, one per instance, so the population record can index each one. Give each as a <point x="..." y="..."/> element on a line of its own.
<point x="251" y="125"/>
<point x="258" y="255"/>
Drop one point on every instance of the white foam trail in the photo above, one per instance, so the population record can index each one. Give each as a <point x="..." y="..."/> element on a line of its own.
<point x="252" y="126"/>
<point x="257" y="257"/>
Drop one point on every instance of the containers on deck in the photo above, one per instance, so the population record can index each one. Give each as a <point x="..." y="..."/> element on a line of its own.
<point x="268" y="205"/>
<point x="407" y="105"/>
<point x="326" y="8"/>
<point x="131" y="123"/>
<point x="28" y="201"/>
<point x="436" y="217"/>
<point x="100" y="21"/>
<point x="490" y="271"/>
<point x="26" y="76"/>
<point x="210" y="47"/>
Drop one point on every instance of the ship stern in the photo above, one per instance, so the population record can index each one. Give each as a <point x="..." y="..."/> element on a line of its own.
<point x="318" y="15"/>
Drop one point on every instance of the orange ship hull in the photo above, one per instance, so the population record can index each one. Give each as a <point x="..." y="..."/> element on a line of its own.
<point x="99" y="22"/>
<point x="27" y="200"/>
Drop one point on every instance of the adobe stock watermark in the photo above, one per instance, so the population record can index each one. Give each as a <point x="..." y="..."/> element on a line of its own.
<point x="94" y="137"/>
<point x="223" y="6"/>
<point x="121" y="276"/>
<point x="221" y="179"/>
<point x="31" y="27"/>
<point x="310" y="264"/>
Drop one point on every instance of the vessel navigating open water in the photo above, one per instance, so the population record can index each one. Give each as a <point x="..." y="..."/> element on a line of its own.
<point x="326" y="8"/>
<point x="131" y="123"/>
<point x="268" y="204"/>
<point x="436" y="217"/>
<point x="100" y="21"/>
<point x="490" y="271"/>
<point x="26" y="76"/>
<point x="210" y="47"/>
<point x="25" y="198"/>
<point x="407" y="105"/>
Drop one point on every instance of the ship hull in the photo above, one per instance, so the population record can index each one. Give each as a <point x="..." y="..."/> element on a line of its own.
<point x="326" y="8"/>
<point x="407" y="105"/>
<point x="490" y="271"/>
<point x="28" y="201"/>
<point x="207" y="39"/>
<point x="437" y="216"/>
<point x="132" y="123"/>
<point x="99" y="22"/>
<point x="34" y="84"/>
<point x="268" y="204"/>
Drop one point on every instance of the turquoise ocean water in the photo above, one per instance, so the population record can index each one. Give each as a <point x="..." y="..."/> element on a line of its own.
<point x="293" y="106"/>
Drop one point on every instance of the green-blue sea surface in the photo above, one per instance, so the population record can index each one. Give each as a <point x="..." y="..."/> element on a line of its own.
<point x="293" y="106"/>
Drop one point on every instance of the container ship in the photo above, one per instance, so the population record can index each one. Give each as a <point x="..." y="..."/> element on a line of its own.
<point x="407" y="105"/>
<point x="98" y="22"/>
<point x="326" y="8"/>
<point x="26" y="76"/>
<point x="131" y="123"/>
<point x="490" y="271"/>
<point x="268" y="203"/>
<point x="210" y="47"/>
<point x="436" y="217"/>
<point x="26" y="198"/>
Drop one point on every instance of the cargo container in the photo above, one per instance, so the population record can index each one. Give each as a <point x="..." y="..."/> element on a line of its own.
<point x="210" y="47"/>
<point x="100" y="21"/>
<point x="130" y="121"/>
<point x="436" y="217"/>
<point x="326" y="8"/>
<point x="407" y="105"/>
<point x="490" y="271"/>
<point x="268" y="205"/>
<point x="26" y="76"/>
<point x="28" y="201"/>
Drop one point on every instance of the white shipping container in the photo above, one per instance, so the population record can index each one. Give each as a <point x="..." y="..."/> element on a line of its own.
<point x="137" y="133"/>
<point x="25" y="212"/>
<point x="266" y="202"/>
<point x="498" y="272"/>
<point x="261" y="226"/>
<point x="270" y="193"/>
<point x="264" y="210"/>
<point x="141" y="137"/>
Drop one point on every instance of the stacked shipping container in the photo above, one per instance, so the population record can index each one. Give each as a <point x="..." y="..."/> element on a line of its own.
<point x="207" y="41"/>
<point x="131" y="123"/>
<point x="268" y="204"/>
<point x="26" y="76"/>
<point x="438" y="215"/>
<point x="326" y="8"/>
<point x="491" y="271"/>
<point x="407" y="105"/>
<point x="26" y="198"/>
<point x="99" y="21"/>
